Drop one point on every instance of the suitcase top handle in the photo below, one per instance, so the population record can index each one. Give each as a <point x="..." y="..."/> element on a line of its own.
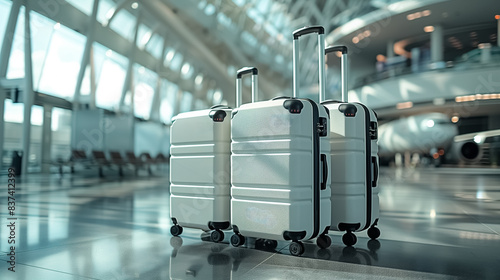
<point x="246" y="70"/>
<point x="321" y="58"/>
<point x="308" y="29"/>
<point x="239" y="84"/>
<point x="343" y="66"/>
<point x="342" y="49"/>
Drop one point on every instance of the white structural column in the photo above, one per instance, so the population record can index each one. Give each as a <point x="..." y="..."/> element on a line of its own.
<point x="86" y="54"/>
<point x="28" y="97"/>
<point x="156" y="104"/>
<point x="46" y="137"/>
<point x="437" y="45"/>
<point x="4" y="63"/>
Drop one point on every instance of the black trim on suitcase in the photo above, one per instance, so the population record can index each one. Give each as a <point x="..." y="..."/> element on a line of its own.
<point x="368" y="168"/>
<point x="219" y="225"/>
<point x="290" y="235"/>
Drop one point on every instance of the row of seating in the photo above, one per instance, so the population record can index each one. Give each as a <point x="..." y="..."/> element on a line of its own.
<point x="113" y="159"/>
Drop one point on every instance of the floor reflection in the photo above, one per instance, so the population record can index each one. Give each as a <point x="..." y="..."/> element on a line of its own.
<point x="435" y="224"/>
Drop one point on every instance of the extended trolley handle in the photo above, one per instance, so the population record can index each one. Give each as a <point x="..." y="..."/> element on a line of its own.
<point x="343" y="66"/>
<point x="239" y="84"/>
<point x="321" y="55"/>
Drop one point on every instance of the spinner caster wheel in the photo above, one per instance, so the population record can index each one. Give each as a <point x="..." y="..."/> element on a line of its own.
<point x="324" y="241"/>
<point x="297" y="248"/>
<point x="349" y="239"/>
<point x="373" y="232"/>
<point x="217" y="236"/>
<point x="271" y="244"/>
<point x="176" y="230"/>
<point x="237" y="240"/>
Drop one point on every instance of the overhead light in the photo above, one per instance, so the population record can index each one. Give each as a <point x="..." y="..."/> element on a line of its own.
<point x="478" y="138"/>
<point x="404" y="105"/>
<point x="429" y="28"/>
<point x="455" y="119"/>
<point x="57" y="26"/>
<point x="109" y="53"/>
<point x="134" y="5"/>
<point x="199" y="79"/>
<point x="185" y="68"/>
<point x="355" y="40"/>
<point x="418" y="15"/>
<point x="497" y="16"/>
<point x="430" y="123"/>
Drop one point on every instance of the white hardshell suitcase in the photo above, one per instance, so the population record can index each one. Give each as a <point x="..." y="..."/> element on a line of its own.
<point x="354" y="168"/>
<point x="200" y="171"/>
<point x="279" y="169"/>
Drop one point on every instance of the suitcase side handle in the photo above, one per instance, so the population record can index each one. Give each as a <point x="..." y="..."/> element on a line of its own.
<point x="321" y="58"/>
<point x="239" y="85"/>
<point x="375" y="172"/>
<point x="325" y="172"/>
<point x="343" y="66"/>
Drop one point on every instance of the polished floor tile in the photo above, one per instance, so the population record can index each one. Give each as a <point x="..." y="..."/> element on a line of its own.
<point x="435" y="224"/>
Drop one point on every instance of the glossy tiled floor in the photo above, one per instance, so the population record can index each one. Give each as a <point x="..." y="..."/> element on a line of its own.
<point x="435" y="224"/>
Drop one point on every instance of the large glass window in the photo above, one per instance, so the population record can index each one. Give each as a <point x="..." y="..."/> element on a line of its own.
<point x="168" y="95"/>
<point x="4" y="16"/>
<point x="62" y="63"/>
<point x="110" y="76"/>
<point x="123" y="23"/>
<point x="83" y="5"/>
<point x="16" y="59"/>
<point x="155" y="46"/>
<point x="14" y="113"/>
<point x="105" y="11"/>
<point x="42" y="32"/>
<point x="144" y="81"/>
<point x="186" y="102"/>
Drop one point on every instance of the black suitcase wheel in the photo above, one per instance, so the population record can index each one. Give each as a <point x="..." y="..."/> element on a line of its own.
<point x="324" y="241"/>
<point x="217" y="236"/>
<point x="237" y="240"/>
<point x="373" y="232"/>
<point x="176" y="230"/>
<point x="296" y="248"/>
<point x="271" y="244"/>
<point x="349" y="239"/>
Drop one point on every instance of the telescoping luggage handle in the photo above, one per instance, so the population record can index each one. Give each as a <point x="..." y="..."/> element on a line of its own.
<point x="321" y="55"/>
<point x="239" y="84"/>
<point x="343" y="69"/>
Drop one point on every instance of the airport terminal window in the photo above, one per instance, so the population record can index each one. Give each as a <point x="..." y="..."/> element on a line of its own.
<point x="186" y="102"/>
<point x="168" y="97"/>
<point x="155" y="46"/>
<point x="110" y="77"/>
<point x="175" y="63"/>
<point x="61" y="133"/>
<point x="62" y="63"/>
<point x="144" y="80"/>
<point x="14" y="113"/>
<point x="105" y="10"/>
<point x="16" y="59"/>
<point x="82" y="5"/>
<point x="123" y="23"/>
<point x="4" y="16"/>
<point x="143" y="36"/>
<point x="42" y="30"/>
